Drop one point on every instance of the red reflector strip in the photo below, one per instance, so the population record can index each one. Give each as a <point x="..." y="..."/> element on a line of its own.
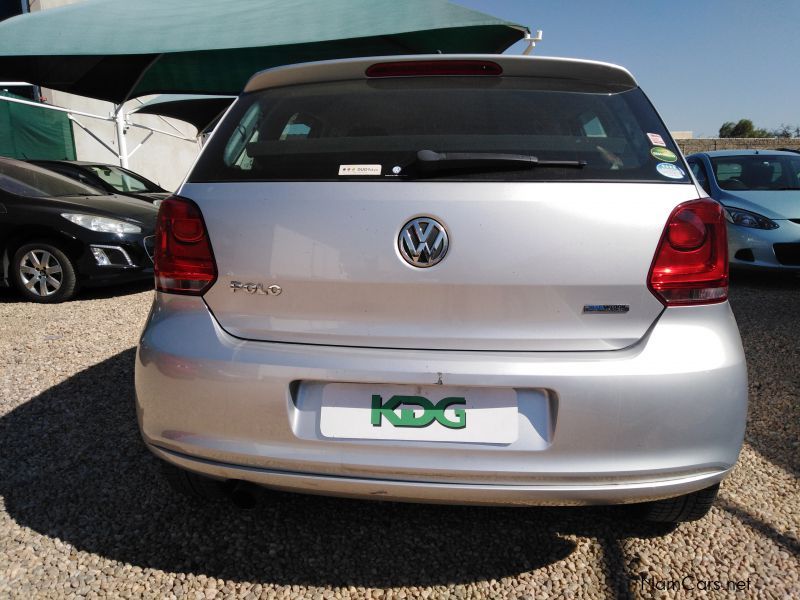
<point x="418" y="68"/>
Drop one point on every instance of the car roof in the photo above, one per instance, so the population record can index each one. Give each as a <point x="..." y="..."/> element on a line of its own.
<point x="718" y="153"/>
<point x="28" y="164"/>
<point x="586" y="71"/>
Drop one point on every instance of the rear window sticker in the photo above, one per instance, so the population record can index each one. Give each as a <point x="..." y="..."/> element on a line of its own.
<point x="671" y="171"/>
<point x="359" y="169"/>
<point x="663" y="154"/>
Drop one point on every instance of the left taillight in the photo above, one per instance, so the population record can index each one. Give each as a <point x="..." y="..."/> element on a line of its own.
<point x="184" y="261"/>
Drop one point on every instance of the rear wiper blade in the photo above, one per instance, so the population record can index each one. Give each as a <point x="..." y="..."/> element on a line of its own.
<point x="429" y="161"/>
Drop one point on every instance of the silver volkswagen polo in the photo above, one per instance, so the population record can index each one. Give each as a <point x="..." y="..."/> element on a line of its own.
<point x="456" y="279"/>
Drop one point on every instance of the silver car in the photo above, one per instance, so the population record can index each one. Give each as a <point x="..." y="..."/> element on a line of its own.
<point x="452" y="279"/>
<point x="760" y="190"/>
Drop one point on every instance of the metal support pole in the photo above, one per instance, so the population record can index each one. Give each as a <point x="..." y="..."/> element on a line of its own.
<point x="122" y="144"/>
<point x="142" y="143"/>
<point x="162" y="132"/>
<point x="91" y="134"/>
<point x="531" y="41"/>
<point x="58" y="108"/>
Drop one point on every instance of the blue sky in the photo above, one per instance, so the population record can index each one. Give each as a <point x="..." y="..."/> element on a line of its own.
<point x="701" y="62"/>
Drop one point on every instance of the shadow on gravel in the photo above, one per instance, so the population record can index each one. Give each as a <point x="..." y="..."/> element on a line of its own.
<point x="10" y="295"/>
<point x="767" y="309"/>
<point x="72" y="466"/>
<point x="792" y="544"/>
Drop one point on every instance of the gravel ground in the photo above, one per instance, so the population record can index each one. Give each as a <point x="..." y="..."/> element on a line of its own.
<point x="83" y="512"/>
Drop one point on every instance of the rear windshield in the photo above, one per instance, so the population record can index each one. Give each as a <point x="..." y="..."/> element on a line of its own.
<point x="369" y="130"/>
<point x="757" y="172"/>
<point x="28" y="180"/>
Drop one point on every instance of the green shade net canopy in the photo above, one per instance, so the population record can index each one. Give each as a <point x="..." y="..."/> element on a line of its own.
<point x="118" y="49"/>
<point x="199" y="110"/>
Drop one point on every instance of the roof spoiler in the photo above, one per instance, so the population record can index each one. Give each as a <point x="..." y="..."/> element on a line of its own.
<point x="587" y="71"/>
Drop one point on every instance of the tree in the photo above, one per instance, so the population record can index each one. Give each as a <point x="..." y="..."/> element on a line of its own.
<point x="786" y="131"/>
<point x="727" y="129"/>
<point x="743" y="129"/>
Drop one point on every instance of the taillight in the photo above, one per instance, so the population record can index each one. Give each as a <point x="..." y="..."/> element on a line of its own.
<point x="184" y="262"/>
<point x="421" y="68"/>
<point x="691" y="263"/>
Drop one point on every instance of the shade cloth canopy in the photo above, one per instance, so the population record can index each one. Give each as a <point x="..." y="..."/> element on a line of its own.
<point x="199" y="110"/>
<point x="116" y="49"/>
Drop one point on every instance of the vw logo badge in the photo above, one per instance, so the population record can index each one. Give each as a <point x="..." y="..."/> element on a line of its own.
<point x="423" y="242"/>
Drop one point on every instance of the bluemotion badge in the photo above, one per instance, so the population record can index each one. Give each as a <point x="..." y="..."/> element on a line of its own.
<point x="664" y="154"/>
<point x="597" y="309"/>
<point x="407" y="418"/>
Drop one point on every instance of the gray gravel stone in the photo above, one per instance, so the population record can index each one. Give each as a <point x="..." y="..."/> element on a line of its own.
<point x="83" y="512"/>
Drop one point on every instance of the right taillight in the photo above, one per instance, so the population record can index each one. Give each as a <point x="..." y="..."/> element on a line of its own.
<point x="184" y="262"/>
<point x="691" y="262"/>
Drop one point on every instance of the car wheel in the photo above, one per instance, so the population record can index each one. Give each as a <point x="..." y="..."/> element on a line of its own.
<point x="690" y="507"/>
<point x="192" y="485"/>
<point x="43" y="273"/>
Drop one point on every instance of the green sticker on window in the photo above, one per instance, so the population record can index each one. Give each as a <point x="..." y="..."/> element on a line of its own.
<point x="663" y="154"/>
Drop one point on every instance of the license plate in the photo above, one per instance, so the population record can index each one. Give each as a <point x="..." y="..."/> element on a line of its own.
<point x="419" y="413"/>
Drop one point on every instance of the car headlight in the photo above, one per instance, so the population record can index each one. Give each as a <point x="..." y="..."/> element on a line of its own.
<point x="745" y="218"/>
<point x="102" y="224"/>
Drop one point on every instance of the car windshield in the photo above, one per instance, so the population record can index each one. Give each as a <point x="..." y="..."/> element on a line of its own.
<point x="374" y="129"/>
<point x="757" y="172"/>
<point x="29" y="180"/>
<point x="121" y="180"/>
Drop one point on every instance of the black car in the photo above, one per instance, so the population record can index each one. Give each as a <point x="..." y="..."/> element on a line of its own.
<point x="57" y="234"/>
<point x="111" y="179"/>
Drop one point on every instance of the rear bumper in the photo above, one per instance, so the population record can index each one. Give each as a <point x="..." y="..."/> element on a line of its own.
<point x="542" y="494"/>
<point x="662" y="418"/>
